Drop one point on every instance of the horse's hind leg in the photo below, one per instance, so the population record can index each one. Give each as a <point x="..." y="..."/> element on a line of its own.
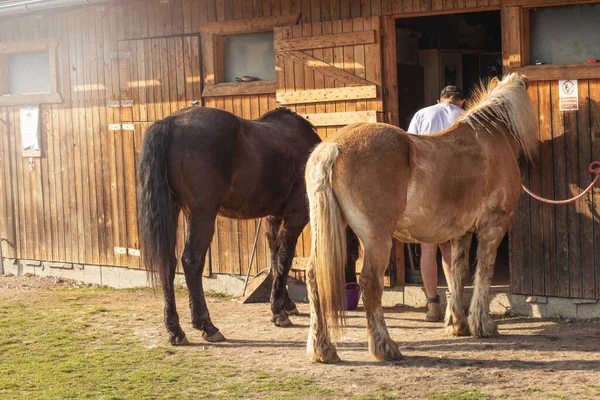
<point x="176" y="334"/>
<point x="480" y="322"/>
<point x="273" y="226"/>
<point x="200" y="233"/>
<point x="377" y="255"/>
<point x="455" y="320"/>
<point x="282" y="255"/>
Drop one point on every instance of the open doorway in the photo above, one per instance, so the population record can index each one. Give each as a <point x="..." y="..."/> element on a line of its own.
<point x="433" y="52"/>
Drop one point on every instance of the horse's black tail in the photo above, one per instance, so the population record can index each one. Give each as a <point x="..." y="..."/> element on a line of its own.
<point x="156" y="210"/>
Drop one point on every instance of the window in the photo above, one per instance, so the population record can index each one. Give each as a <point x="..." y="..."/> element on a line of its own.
<point x="251" y="55"/>
<point x="238" y="56"/>
<point x="548" y="42"/>
<point x="28" y="72"/>
<point x="567" y="34"/>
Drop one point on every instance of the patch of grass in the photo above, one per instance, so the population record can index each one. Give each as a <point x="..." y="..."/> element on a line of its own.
<point x="532" y="390"/>
<point x="382" y="393"/>
<point x="558" y="397"/>
<point x="88" y="289"/>
<point x="99" y="310"/>
<point x="261" y="375"/>
<point x="51" y="349"/>
<point x="596" y="389"/>
<point x="217" y="295"/>
<point x="470" y="394"/>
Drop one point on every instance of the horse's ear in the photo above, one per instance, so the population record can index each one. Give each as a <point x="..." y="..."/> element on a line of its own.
<point x="493" y="83"/>
<point x="525" y="81"/>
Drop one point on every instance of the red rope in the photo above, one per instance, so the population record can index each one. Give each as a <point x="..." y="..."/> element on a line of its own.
<point x="594" y="168"/>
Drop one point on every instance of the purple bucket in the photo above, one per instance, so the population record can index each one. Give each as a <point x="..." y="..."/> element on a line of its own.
<point x="352" y="295"/>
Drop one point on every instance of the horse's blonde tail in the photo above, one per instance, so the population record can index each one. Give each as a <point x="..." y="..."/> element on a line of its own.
<point x="328" y="247"/>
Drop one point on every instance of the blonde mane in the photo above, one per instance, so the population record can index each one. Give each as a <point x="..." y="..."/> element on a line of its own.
<point x="506" y="102"/>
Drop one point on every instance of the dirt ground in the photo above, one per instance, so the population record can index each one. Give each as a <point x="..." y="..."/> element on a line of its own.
<point x="532" y="358"/>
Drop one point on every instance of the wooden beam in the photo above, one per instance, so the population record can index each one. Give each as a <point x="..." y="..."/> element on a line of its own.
<point x="36" y="98"/>
<point x="515" y="32"/>
<point x="320" y="42"/>
<point x="320" y="95"/>
<point x="28" y="46"/>
<point x="552" y="72"/>
<point x="525" y="38"/>
<point x="207" y="42"/>
<point x="341" y="118"/>
<point x="248" y="25"/>
<point x="545" y="3"/>
<point x="452" y="10"/>
<point x="390" y="73"/>
<point x="326" y="69"/>
<point x="3" y="75"/>
<point x="239" y="88"/>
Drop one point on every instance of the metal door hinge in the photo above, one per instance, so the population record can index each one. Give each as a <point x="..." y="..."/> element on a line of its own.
<point x="120" y="103"/>
<point x="126" y="251"/>
<point x="121" y="127"/>
<point x="118" y="54"/>
<point x="120" y="250"/>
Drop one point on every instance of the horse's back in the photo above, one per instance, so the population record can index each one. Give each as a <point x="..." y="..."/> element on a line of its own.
<point x="245" y="168"/>
<point x="371" y="173"/>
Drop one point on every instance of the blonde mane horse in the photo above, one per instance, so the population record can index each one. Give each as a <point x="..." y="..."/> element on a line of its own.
<point x="383" y="182"/>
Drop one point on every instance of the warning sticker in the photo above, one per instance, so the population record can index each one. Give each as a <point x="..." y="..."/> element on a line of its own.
<point x="568" y="99"/>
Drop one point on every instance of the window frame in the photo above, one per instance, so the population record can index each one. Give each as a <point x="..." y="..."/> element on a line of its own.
<point x="516" y="43"/>
<point x="212" y="36"/>
<point x="30" y="46"/>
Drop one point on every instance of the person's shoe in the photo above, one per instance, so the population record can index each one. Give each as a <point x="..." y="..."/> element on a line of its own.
<point x="434" y="311"/>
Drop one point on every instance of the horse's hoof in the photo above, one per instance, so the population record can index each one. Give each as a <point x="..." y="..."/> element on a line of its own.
<point x="175" y="341"/>
<point x="293" y="311"/>
<point x="282" y="322"/>
<point x="458" y="329"/>
<point x="484" y="328"/>
<point x="390" y="351"/>
<point x="329" y="356"/>
<point x="392" y="355"/>
<point x="215" y="337"/>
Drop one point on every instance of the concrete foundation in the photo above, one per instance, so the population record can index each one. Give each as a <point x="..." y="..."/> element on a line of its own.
<point x="501" y="301"/>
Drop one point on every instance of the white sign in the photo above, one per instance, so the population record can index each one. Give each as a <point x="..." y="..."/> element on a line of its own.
<point x="568" y="99"/>
<point x="30" y="144"/>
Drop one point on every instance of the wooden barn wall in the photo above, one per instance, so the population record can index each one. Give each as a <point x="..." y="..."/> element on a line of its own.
<point x="555" y="250"/>
<point x="77" y="203"/>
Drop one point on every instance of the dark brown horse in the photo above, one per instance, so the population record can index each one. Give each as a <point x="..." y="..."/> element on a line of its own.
<point x="208" y="162"/>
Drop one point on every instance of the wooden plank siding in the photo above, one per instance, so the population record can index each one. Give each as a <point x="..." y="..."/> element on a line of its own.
<point x="554" y="249"/>
<point x="78" y="202"/>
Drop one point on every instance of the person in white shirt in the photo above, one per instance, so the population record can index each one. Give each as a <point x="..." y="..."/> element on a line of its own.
<point x="426" y="121"/>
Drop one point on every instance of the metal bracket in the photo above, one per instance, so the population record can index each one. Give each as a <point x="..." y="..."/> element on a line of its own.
<point x="58" y="265"/>
<point x="537" y="299"/>
<point x="120" y="250"/>
<point x="121" y="127"/>
<point x="118" y="54"/>
<point x="119" y="103"/>
<point x="126" y="251"/>
<point x="585" y="301"/>
<point x="133" y="252"/>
